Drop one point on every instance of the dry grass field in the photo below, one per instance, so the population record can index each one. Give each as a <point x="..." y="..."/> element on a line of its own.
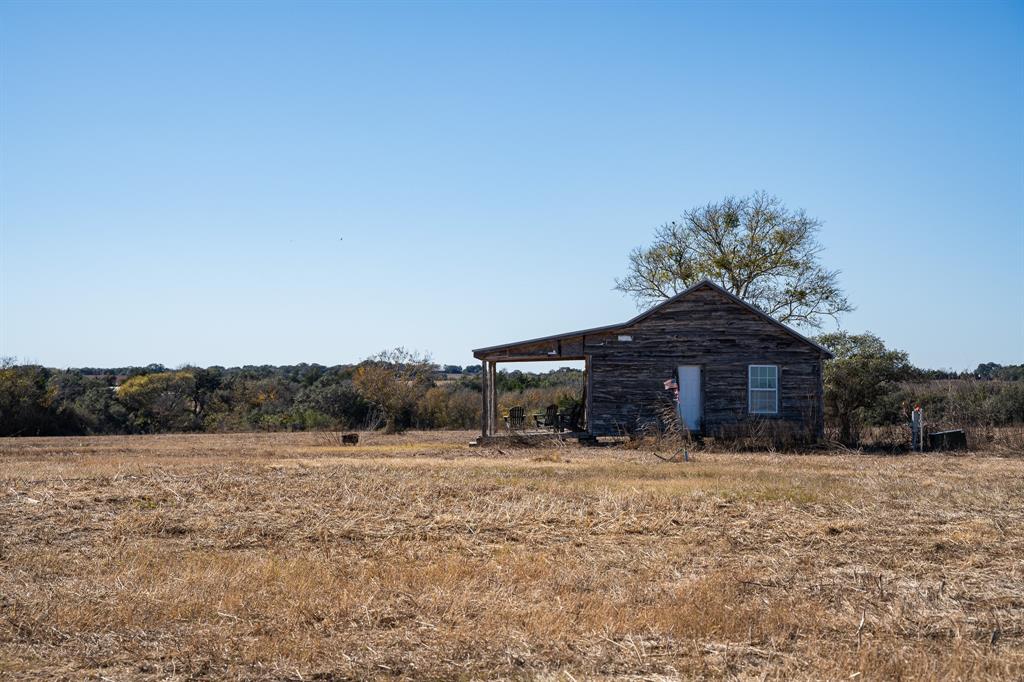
<point x="281" y="556"/>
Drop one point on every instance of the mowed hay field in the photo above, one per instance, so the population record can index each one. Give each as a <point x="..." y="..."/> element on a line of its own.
<point x="282" y="556"/>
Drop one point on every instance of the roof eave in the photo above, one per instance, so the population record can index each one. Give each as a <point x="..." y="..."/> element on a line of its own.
<point x="542" y="339"/>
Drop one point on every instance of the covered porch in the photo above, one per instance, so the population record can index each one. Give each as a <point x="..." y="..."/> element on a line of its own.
<point x="504" y="425"/>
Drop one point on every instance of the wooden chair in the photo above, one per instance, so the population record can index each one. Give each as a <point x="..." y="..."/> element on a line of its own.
<point x="548" y="420"/>
<point x="515" y="420"/>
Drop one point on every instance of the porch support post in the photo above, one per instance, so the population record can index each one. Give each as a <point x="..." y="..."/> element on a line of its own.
<point x="485" y="392"/>
<point x="492" y="389"/>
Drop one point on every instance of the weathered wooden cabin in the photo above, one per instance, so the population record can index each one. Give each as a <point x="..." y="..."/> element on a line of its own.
<point x="738" y="371"/>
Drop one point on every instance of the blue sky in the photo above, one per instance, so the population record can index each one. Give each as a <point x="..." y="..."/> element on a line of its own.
<point x="250" y="183"/>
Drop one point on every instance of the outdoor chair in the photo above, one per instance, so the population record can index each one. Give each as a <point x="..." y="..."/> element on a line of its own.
<point x="548" y="420"/>
<point x="515" y="420"/>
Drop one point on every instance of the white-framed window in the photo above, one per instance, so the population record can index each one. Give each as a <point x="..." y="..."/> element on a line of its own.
<point x="763" y="389"/>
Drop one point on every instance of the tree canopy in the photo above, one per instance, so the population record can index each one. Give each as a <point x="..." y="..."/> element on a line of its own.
<point x="862" y="371"/>
<point x="754" y="247"/>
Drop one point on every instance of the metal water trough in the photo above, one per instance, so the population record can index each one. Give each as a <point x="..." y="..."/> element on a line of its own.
<point x="948" y="440"/>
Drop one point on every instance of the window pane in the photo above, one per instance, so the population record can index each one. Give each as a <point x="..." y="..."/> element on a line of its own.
<point x="762" y="376"/>
<point x="763" y="401"/>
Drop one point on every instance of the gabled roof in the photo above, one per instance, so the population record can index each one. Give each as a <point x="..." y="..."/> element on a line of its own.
<point x="644" y="315"/>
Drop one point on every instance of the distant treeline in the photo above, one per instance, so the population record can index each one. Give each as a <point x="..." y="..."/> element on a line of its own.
<point x="394" y="390"/>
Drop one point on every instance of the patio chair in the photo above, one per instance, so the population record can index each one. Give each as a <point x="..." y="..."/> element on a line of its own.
<point x="548" y="420"/>
<point x="515" y="420"/>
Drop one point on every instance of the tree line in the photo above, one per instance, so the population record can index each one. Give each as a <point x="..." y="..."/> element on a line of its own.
<point x="866" y="385"/>
<point x="393" y="390"/>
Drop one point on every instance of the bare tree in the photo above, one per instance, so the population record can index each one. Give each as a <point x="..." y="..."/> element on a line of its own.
<point x="754" y="247"/>
<point x="393" y="381"/>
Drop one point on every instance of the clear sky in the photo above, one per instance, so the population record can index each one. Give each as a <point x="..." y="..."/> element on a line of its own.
<point x="264" y="183"/>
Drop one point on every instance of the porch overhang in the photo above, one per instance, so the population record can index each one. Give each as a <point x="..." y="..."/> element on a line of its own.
<point x="559" y="348"/>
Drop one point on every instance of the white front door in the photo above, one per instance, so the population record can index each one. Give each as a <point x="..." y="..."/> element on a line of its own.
<point x="690" y="408"/>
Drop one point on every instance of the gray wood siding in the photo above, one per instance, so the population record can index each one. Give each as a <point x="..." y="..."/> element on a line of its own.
<point x="709" y="329"/>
